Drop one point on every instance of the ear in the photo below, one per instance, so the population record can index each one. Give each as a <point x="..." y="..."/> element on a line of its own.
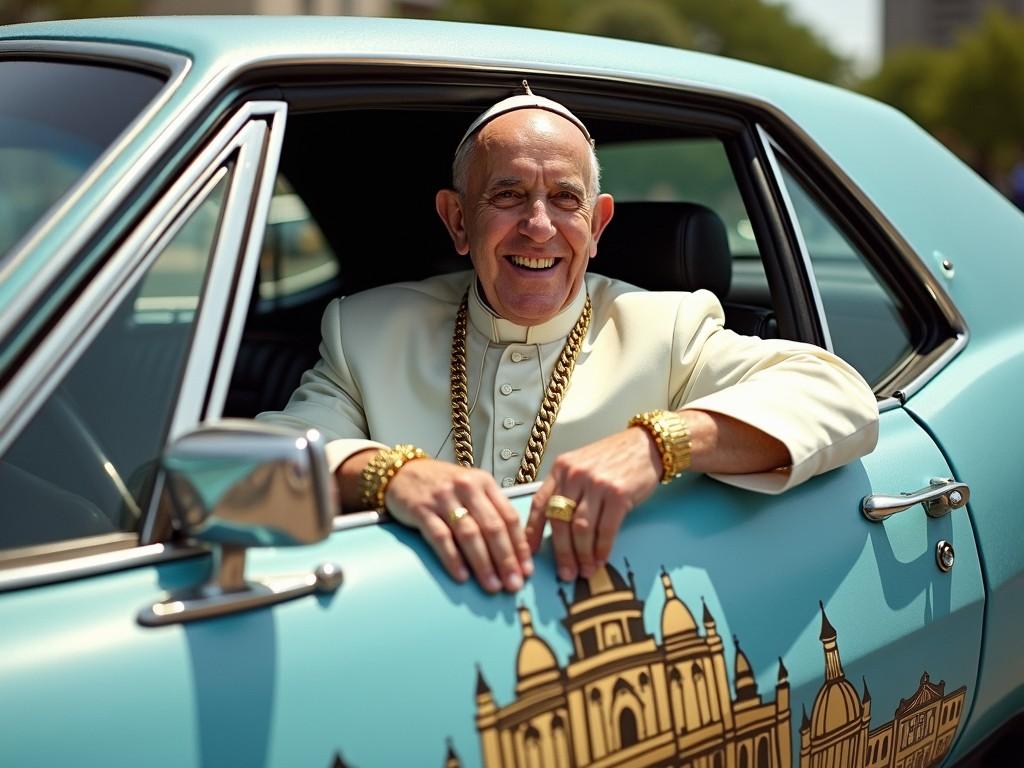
<point x="604" y="209"/>
<point x="449" y="208"/>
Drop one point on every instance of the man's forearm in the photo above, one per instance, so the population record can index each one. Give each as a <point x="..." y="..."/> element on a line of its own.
<point x="349" y="475"/>
<point x="726" y="445"/>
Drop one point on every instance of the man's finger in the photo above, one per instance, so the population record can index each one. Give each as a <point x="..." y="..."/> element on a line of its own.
<point x="613" y="512"/>
<point x="582" y="527"/>
<point x="565" y="556"/>
<point x="538" y="514"/>
<point x="495" y="529"/>
<point x="474" y="549"/>
<point x="515" y="530"/>
<point x="440" y="539"/>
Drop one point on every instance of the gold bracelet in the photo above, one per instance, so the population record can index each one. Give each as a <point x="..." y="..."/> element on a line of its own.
<point x="671" y="437"/>
<point x="381" y="470"/>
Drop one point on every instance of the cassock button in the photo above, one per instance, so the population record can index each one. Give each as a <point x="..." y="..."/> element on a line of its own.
<point x="508" y="423"/>
<point x="508" y="482"/>
<point x="517" y="357"/>
<point x="506" y="389"/>
<point x="506" y="453"/>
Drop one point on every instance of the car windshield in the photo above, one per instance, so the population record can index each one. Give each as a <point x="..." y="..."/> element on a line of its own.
<point x="56" y="118"/>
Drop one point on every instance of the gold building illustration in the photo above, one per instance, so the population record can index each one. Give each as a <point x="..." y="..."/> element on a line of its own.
<point x="837" y="734"/>
<point x="623" y="700"/>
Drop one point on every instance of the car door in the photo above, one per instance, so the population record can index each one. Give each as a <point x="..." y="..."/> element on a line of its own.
<point x="730" y="628"/>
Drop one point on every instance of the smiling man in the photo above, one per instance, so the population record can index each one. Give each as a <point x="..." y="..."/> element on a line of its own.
<point x="529" y="367"/>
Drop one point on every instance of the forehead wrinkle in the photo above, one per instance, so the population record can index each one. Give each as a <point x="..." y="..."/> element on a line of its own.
<point x="506" y="181"/>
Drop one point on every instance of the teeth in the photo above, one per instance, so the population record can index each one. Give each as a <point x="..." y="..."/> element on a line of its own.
<point x="522" y="261"/>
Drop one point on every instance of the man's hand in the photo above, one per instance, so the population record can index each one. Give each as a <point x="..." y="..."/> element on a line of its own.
<point x="423" y="495"/>
<point x="606" y="479"/>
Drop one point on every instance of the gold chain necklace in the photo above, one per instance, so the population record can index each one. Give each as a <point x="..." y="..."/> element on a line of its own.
<point x="541" y="430"/>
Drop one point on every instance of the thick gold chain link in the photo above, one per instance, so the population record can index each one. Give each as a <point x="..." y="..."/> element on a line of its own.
<point x="557" y="386"/>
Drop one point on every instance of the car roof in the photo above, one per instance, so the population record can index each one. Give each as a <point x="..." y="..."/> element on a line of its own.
<point x="219" y="41"/>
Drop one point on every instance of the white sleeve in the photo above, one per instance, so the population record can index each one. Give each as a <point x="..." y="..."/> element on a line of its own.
<point x="328" y="397"/>
<point x="816" y="404"/>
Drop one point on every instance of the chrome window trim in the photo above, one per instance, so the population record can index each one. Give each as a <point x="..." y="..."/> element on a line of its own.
<point x="943" y="301"/>
<point x="62" y="347"/>
<point x="768" y="146"/>
<point x="960" y="340"/>
<point x="889" y="404"/>
<point x="93" y="565"/>
<point x="175" y="67"/>
<point x="277" y="113"/>
<point x="220" y="279"/>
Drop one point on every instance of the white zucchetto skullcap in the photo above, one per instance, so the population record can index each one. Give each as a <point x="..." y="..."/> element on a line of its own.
<point x="523" y="101"/>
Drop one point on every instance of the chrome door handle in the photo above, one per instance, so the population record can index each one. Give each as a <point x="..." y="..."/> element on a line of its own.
<point x="943" y="495"/>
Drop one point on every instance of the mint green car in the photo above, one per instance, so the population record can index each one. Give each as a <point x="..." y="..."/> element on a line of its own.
<point x="180" y="198"/>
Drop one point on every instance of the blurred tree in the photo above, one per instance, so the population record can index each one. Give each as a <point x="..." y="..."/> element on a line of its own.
<point x="911" y="79"/>
<point x="971" y="96"/>
<point x="984" y="92"/>
<point x="753" y="30"/>
<point x="761" y="32"/>
<point x="543" y="14"/>
<point x="13" y="11"/>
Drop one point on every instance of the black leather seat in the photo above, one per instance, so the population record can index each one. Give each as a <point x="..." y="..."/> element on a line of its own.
<point x="667" y="246"/>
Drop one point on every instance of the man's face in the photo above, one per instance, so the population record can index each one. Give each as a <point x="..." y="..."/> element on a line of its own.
<point x="526" y="217"/>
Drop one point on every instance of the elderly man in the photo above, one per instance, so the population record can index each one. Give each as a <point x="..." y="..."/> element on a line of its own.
<point x="530" y="368"/>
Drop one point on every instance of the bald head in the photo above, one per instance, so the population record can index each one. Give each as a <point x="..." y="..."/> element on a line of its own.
<point x="527" y="128"/>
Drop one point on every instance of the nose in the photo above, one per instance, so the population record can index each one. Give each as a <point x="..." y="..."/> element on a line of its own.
<point x="536" y="223"/>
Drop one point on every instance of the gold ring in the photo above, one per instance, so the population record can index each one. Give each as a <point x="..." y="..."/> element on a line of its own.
<point x="456" y="514"/>
<point x="560" y="508"/>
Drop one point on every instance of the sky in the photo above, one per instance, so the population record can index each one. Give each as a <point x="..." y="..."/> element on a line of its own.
<point x="852" y="28"/>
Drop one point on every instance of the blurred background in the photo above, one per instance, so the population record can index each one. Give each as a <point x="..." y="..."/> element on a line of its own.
<point x="955" y="66"/>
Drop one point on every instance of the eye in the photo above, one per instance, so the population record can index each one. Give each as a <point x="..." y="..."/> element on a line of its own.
<point x="505" y="198"/>
<point x="566" y="199"/>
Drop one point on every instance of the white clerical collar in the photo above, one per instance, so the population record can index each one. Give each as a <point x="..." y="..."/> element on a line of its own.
<point x="502" y="331"/>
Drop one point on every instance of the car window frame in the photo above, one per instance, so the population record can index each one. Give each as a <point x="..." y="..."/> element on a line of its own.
<point x="758" y="132"/>
<point x="941" y="331"/>
<point x="246" y="147"/>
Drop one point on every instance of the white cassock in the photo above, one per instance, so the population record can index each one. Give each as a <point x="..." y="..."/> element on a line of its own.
<point x="384" y="374"/>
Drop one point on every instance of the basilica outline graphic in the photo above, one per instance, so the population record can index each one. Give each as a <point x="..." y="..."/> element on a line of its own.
<point x="624" y="700"/>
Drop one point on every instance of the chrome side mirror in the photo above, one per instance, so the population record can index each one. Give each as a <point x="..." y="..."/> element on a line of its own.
<point x="238" y="484"/>
<point x="249" y="484"/>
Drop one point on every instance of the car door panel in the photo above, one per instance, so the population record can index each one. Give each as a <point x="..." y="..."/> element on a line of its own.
<point x="987" y="373"/>
<point x="386" y="670"/>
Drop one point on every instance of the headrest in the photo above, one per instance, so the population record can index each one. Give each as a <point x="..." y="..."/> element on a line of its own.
<point x="666" y="247"/>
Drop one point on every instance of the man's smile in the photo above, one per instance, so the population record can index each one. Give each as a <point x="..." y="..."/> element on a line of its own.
<point x="533" y="263"/>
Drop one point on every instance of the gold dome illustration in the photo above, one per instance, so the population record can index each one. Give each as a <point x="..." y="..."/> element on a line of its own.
<point x="837" y="704"/>
<point x="746" y="685"/>
<point x="676" y="618"/>
<point x="536" y="663"/>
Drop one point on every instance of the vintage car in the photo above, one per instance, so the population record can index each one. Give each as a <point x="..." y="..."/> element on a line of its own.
<point x="180" y="197"/>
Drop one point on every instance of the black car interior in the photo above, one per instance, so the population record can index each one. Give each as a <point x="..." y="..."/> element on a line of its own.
<point x="376" y="211"/>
